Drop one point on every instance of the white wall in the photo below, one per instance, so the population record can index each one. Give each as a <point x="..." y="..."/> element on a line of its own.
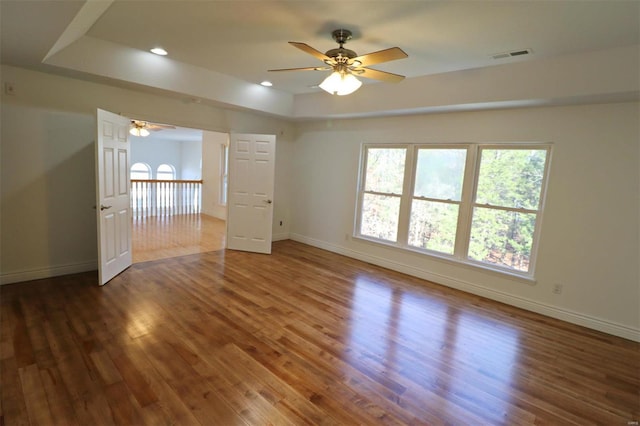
<point x="589" y="241"/>
<point x="184" y="156"/>
<point x="191" y="152"/>
<point x="155" y="153"/>
<point x="47" y="174"/>
<point x="48" y="191"/>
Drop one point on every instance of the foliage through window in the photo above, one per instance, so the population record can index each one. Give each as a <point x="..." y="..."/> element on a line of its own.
<point x="382" y="192"/>
<point x="436" y="199"/>
<point x="472" y="203"/>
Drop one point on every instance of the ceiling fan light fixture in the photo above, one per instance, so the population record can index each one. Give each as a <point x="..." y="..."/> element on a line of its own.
<point x="346" y="64"/>
<point x="340" y="84"/>
<point x="159" y="51"/>
<point x="139" y="131"/>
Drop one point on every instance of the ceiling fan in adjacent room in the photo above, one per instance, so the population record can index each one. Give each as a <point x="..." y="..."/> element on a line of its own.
<point x="143" y="128"/>
<point x="345" y="64"/>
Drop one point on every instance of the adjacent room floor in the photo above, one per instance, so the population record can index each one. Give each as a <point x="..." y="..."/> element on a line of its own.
<point x="165" y="236"/>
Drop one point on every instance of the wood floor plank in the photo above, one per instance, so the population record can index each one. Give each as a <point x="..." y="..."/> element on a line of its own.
<point x="302" y="336"/>
<point x="105" y="367"/>
<point x="85" y="392"/>
<point x="275" y="389"/>
<point x="124" y="407"/>
<point x="169" y="408"/>
<point x="60" y="403"/>
<point x="35" y="397"/>
<point x="241" y="393"/>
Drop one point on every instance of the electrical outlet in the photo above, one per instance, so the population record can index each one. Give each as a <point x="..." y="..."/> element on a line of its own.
<point x="557" y="289"/>
<point x="9" y="88"/>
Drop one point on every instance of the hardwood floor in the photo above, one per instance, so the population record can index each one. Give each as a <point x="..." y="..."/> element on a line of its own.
<point x="165" y="236"/>
<point x="302" y="336"/>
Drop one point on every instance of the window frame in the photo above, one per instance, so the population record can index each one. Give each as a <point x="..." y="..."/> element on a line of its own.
<point x="464" y="193"/>
<point x="147" y="167"/>
<point x="173" y="172"/>
<point x="466" y="205"/>
<point x="361" y="191"/>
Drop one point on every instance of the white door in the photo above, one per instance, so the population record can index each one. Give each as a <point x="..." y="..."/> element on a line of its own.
<point x="112" y="195"/>
<point x="250" y="194"/>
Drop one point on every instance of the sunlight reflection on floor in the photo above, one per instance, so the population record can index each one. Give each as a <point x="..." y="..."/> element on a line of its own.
<point x="461" y="344"/>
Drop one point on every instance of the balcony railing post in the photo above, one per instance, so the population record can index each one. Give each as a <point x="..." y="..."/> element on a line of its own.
<point x="151" y="197"/>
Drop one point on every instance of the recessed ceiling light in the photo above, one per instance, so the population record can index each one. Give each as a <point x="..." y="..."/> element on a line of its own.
<point x="159" y="51"/>
<point x="267" y="83"/>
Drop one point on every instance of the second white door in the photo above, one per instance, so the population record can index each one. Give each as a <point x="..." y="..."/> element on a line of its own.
<point x="250" y="194"/>
<point x="112" y="195"/>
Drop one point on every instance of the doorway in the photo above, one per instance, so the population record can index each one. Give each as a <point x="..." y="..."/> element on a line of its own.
<point x="178" y="178"/>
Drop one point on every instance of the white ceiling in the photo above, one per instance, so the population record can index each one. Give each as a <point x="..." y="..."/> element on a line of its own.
<point x="244" y="39"/>
<point x="176" y="134"/>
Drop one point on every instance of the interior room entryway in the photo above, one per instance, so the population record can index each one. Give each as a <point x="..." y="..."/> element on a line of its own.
<point x="178" y="178"/>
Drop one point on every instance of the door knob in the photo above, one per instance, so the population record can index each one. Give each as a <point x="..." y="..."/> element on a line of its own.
<point x="268" y="201"/>
<point x="103" y="207"/>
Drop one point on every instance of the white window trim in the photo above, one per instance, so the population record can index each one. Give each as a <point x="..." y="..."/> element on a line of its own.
<point x="467" y="203"/>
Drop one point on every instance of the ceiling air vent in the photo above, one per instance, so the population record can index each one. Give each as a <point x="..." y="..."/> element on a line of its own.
<point x="512" y="54"/>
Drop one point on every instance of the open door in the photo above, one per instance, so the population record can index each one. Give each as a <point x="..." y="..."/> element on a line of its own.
<point x="250" y="194"/>
<point x="113" y="205"/>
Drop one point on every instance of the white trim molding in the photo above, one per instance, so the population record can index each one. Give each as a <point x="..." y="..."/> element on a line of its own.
<point x="279" y="237"/>
<point x="48" y="272"/>
<point x="587" y="321"/>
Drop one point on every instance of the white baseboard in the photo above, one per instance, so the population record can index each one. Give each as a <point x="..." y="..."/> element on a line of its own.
<point x="51" y="271"/>
<point x="527" y="304"/>
<point x="279" y="237"/>
<point x="54" y="271"/>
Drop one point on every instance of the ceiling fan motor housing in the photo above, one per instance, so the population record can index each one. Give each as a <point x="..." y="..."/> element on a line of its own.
<point x="341" y="36"/>
<point x="341" y="54"/>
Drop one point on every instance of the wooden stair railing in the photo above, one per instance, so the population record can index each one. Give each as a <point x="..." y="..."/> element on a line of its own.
<point x="153" y="197"/>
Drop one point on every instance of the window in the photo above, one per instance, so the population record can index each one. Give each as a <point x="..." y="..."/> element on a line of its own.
<point x="166" y="172"/>
<point x="476" y="204"/>
<point x="506" y="207"/>
<point x="224" y="173"/>
<point x="140" y="171"/>
<point x="382" y="192"/>
<point x="437" y="194"/>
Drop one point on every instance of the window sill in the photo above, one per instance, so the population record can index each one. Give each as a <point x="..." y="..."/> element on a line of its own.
<point x="469" y="264"/>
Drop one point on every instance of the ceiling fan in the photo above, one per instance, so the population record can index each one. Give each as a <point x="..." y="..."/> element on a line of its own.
<point x="143" y="128"/>
<point x="346" y="64"/>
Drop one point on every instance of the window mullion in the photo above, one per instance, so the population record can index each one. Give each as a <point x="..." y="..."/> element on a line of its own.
<point x="506" y="209"/>
<point x="466" y="203"/>
<point x="385" y="194"/>
<point x="436" y="200"/>
<point x="407" y="192"/>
